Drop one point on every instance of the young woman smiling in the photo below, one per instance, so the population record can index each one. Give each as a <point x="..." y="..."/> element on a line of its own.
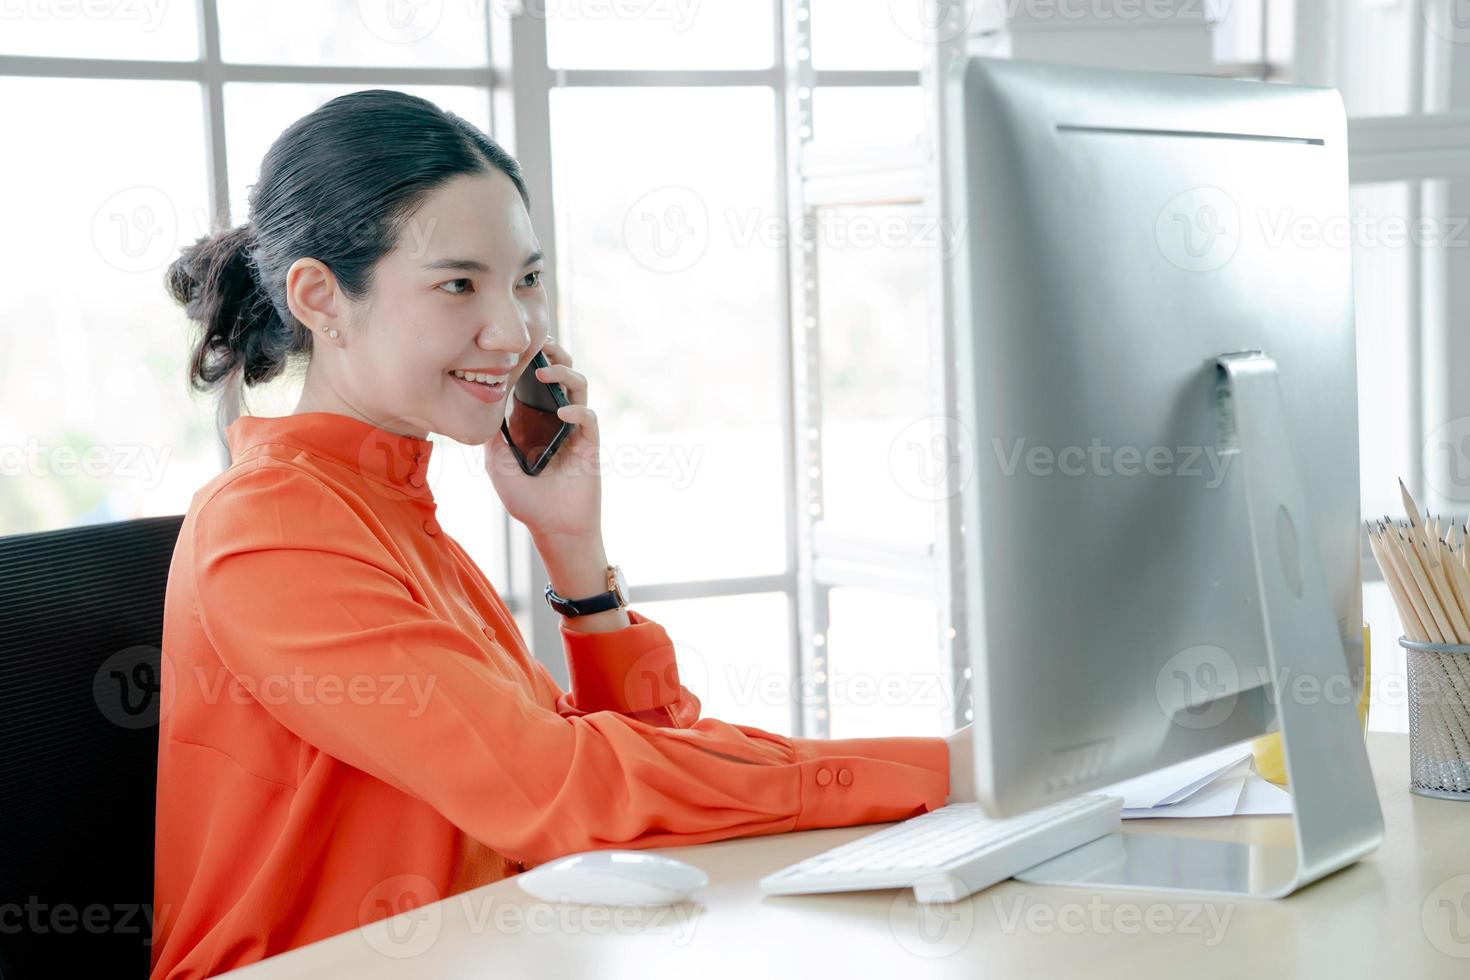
<point x="352" y="723"/>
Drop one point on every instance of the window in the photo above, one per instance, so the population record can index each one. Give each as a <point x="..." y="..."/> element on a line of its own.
<point x="257" y="112"/>
<point x="866" y="35"/>
<point x="887" y="671"/>
<point x="1383" y="272"/>
<point x="163" y="31"/>
<point x="872" y="263"/>
<point x="84" y="331"/>
<point x="672" y="145"/>
<point x="280" y="32"/>
<point x="97" y="425"/>
<point x="670" y="298"/>
<point x="731" y="654"/>
<point x="1393" y="65"/>
<point x="670" y="271"/>
<point x="867" y="115"/>
<point x="660" y="36"/>
<point x="687" y="362"/>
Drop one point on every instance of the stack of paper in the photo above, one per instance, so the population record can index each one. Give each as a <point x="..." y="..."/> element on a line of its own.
<point x="1218" y="784"/>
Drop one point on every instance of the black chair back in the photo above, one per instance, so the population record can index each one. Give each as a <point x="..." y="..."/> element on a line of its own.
<point x="81" y="627"/>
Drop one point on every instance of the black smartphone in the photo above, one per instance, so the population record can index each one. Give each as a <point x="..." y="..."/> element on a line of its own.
<point x="531" y="427"/>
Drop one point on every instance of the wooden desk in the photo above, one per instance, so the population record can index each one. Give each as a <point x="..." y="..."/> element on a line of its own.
<point x="1404" y="911"/>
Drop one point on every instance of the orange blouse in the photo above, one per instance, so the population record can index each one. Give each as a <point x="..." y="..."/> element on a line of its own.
<point x="351" y="723"/>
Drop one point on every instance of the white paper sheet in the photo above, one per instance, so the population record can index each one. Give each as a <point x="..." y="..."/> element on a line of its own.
<point x="1239" y="792"/>
<point x="1219" y="799"/>
<point x="1176" y="783"/>
<point x="1263" y="797"/>
<point x="1220" y="784"/>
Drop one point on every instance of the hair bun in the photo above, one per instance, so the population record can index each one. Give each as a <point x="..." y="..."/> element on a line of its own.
<point x="205" y="263"/>
<point x="215" y="281"/>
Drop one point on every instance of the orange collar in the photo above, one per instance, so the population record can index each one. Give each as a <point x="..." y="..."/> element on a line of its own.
<point x="399" y="461"/>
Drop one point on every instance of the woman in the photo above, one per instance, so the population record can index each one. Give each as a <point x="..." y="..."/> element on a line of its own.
<point x="353" y="724"/>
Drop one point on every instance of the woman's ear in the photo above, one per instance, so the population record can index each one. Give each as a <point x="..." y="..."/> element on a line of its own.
<point x="314" y="297"/>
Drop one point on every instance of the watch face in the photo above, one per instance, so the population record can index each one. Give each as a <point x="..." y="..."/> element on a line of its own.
<point x="619" y="584"/>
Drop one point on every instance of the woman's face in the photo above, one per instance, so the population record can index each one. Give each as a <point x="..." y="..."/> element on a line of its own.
<point x="460" y="290"/>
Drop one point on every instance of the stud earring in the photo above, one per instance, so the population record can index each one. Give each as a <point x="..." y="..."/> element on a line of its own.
<point x="332" y="332"/>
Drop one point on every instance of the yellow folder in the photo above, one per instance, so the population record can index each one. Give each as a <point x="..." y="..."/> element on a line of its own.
<point x="1267" y="748"/>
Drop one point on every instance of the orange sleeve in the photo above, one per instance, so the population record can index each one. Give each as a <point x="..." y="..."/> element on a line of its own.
<point x="291" y="582"/>
<point x="631" y="671"/>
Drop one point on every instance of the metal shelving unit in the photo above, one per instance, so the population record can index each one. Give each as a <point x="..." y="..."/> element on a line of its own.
<point x="904" y="174"/>
<point x="913" y="174"/>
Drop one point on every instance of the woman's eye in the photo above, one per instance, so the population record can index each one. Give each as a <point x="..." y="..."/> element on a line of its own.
<point x="454" y="292"/>
<point x="533" y="277"/>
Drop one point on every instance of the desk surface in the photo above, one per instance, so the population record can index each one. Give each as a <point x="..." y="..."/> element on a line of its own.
<point x="1404" y="911"/>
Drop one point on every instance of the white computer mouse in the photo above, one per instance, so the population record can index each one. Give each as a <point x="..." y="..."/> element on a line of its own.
<point x="613" y="878"/>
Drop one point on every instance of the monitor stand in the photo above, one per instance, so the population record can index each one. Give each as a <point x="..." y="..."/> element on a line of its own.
<point x="1337" y="819"/>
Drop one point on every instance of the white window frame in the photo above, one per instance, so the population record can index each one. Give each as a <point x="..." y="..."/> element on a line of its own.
<point x="522" y="60"/>
<point x="517" y="82"/>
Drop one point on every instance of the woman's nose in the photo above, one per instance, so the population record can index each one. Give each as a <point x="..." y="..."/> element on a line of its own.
<point x="508" y="331"/>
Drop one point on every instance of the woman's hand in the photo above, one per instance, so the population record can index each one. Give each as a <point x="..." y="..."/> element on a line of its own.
<point x="961" y="766"/>
<point x="564" y="500"/>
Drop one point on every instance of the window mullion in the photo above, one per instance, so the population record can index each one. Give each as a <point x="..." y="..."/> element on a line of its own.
<point x="810" y="715"/>
<point x="523" y="125"/>
<point x="218" y="182"/>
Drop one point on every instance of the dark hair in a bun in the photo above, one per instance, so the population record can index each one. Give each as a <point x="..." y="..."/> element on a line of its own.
<point x="336" y="186"/>
<point x="215" y="282"/>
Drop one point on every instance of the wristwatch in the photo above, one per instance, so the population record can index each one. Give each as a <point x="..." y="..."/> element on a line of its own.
<point x="616" y="597"/>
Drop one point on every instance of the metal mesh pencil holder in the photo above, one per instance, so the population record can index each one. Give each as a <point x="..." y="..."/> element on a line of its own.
<point x="1439" y="718"/>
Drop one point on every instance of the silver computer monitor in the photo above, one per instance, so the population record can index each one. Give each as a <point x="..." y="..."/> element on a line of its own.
<point x="1157" y="375"/>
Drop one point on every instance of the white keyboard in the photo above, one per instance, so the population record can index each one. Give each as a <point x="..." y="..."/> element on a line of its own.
<point x="952" y="852"/>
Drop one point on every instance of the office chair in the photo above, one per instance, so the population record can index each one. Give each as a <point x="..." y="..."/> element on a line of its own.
<point x="81" y="624"/>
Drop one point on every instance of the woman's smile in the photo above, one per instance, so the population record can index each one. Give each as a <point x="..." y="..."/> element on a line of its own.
<point x="488" y="393"/>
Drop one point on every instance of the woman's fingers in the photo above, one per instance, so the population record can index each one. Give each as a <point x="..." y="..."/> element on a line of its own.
<point x="573" y="381"/>
<point x="560" y="372"/>
<point x="582" y="417"/>
<point x="577" y="415"/>
<point x="556" y="353"/>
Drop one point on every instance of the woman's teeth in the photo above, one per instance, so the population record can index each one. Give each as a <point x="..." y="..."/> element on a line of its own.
<point x="493" y="380"/>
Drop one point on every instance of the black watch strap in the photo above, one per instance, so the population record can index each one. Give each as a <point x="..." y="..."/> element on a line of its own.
<point x="581" y="607"/>
<point x="613" y="598"/>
